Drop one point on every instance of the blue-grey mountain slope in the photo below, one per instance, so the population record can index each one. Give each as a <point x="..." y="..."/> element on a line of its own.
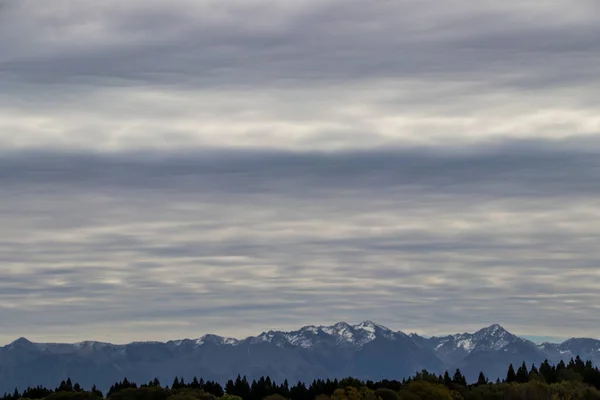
<point x="489" y="350"/>
<point x="366" y="350"/>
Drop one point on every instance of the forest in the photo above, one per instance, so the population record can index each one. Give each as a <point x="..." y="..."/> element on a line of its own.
<point x="564" y="381"/>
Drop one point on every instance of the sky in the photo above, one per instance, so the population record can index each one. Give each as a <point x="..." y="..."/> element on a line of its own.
<point x="175" y="168"/>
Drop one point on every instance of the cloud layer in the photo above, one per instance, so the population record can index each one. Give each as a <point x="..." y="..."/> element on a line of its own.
<point x="238" y="242"/>
<point x="169" y="169"/>
<point x="295" y="75"/>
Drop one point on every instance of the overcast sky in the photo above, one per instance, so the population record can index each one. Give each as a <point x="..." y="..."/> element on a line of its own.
<point x="174" y="168"/>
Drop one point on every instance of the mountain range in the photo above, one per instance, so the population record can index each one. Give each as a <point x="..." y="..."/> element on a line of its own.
<point x="366" y="351"/>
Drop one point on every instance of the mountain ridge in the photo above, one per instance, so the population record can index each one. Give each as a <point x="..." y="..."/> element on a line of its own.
<point x="366" y="350"/>
<point x="234" y="341"/>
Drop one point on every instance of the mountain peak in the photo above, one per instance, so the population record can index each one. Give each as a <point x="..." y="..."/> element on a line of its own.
<point x="372" y="327"/>
<point x="215" y="339"/>
<point x="369" y="324"/>
<point x="310" y="328"/>
<point x="21" y="343"/>
<point x="491" y="338"/>
<point x="341" y="333"/>
<point x="493" y="330"/>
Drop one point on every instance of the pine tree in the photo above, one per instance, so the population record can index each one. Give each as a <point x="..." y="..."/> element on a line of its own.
<point x="195" y="384"/>
<point x="458" y="378"/>
<point x="97" y="392"/>
<point x="511" y="376"/>
<point x="579" y="365"/>
<point x="447" y="379"/>
<point x="285" y="388"/>
<point x="546" y="370"/>
<point x="522" y="375"/>
<point x="230" y="388"/>
<point x="533" y="369"/>
<point x="535" y="375"/>
<point x="482" y="380"/>
<point x="213" y="388"/>
<point x="65" y="386"/>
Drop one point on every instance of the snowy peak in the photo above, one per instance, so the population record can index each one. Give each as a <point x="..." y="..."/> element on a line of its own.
<point x="215" y="340"/>
<point x="339" y="334"/>
<point x="465" y="341"/>
<point x="372" y="327"/>
<point x="494" y="337"/>
<point x="493" y="331"/>
<point x="360" y="334"/>
<point x="588" y="344"/>
<point x="341" y="330"/>
<point x="220" y="340"/>
<point x="585" y="348"/>
<point x="275" y="337"/>
<point x="580" y="346"/>
<point x="206" y="340"/>
<point x="452" y="348"/>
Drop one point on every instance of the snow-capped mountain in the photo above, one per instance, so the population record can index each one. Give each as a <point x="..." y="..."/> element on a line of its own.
<point x="453" y="348"/>
<point x="365" y="350"/>
<point x="586" y="348"/>
<point x="340" y="334"/>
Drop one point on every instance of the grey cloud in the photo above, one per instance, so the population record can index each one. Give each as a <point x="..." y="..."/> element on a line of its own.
<point x="230" y="241"/>
<point x="299" y="75"/>
<point x="197" y="233"/>
<point x="528" y="168"/>
<point x="177" y="44"/>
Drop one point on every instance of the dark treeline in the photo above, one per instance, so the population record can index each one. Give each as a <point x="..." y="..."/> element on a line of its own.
<point x="563" y="381"/>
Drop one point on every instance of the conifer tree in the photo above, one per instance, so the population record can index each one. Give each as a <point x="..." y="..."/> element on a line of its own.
<point x="458" y="378"/>
<point x="230" y="388"/>
<point x="511" y="376"/>
<point x="447" y="379"/>
<point x="97" y="392"/>
<point x="522" y="375"/>
<point x="482" y="380"/>
<point x="546" y="370"/>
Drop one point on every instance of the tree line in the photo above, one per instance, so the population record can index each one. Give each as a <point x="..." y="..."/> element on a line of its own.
<point x="564" y="381"/>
